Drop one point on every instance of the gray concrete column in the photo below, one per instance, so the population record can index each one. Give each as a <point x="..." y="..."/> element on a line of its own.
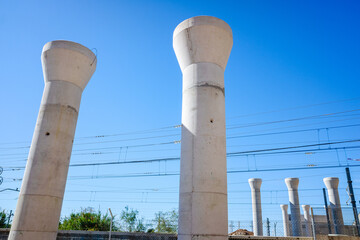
<point x="292" y="185"/>
<point x="67" y="68"/>
<point x="332" y="184"/>
<point x="307" y="218"/>
<point x="285" y="216"/>
<point x="202" y="46"/>
<point x="255" y="184"/>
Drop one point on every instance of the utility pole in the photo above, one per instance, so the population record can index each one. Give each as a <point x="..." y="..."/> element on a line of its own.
<point x="10" y="215"/>
<point x="231" y="226"/>
<point x="268" y="226"/>
<point x="327" y="211"/>
<point x="112" y="217"/>
<point x="275" y="228"/>
<point x="313" y="224"/>
<point x="353" y="202"/>
<point x="1" y="178"/>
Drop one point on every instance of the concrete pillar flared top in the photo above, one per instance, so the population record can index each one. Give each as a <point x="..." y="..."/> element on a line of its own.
<point x="255" y="183"/>
<point x="306" y="210"/>
<point x="284" y="207"/>
<point x="331" y="182"/>
<point x="292" y="183"/>
<point x="202" y="39"/>
<point x="79" y="62"/>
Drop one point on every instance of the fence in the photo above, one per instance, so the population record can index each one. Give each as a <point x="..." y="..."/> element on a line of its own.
<point x="161" y="225"/>
<point x="329" y="221"/>
<point x="324" y="224"/>
<point x="94" y="235"/>
<point x="270" y="227"/>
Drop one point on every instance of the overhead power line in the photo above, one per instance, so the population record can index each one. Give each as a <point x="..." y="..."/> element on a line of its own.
<point x="131" y="139"/>
<point x="293" y="119"/>
<point x="293" y="108"/>
<point x="231" y="154"/>
<point x="229" y="172"/>
<point x="179" y="126"/>
<point x="294" y="131"/>
<point x="168" y="202"/>
<point x="167" y="192"/>
<point x="290" y="147"/>
<point x="115" y="163"/>
<point x="131" y="133"/>
<point x="178" y="141"/>
<point x="298" y="151"/>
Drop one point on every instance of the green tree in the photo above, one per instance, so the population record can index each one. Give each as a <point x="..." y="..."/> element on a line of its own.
<point x="166" y="221"/>
<point x="87" y="220"/>
<point x="131" y="222"/>
<point x="3" y="219"/>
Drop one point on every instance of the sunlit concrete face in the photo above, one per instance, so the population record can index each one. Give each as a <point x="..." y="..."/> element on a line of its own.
<point x="285" y="216"/>
<point x="67" y="68"/>
<point x="307" y="218"/>
<point x="332" y="184"/>
<point x="202" y="46"/>
<point x="255" y="184"/>
<point x="292" y="185"/>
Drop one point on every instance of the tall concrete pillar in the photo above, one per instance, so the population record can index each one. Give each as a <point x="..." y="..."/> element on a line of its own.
<point x="255" y="184"/>
<point x="292" y="185"/>
<point x="285" y="216"/>
<point x="332" y="184"/>
<point x="307" y="218"/>
<point x="67" y="68"/>
<point x="202" y="46"/>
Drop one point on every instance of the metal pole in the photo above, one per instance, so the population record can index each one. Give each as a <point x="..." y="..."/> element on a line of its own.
<point x="112" y="217"/>
<point x="313" y="223"/>
<point x="10" y="215"/>
<point x="268" y="226"/>
<point x="275" y="229"/>
<point x="327" y="211"/>
<point x="232" y="226"/>
<point x="353" y="202"/>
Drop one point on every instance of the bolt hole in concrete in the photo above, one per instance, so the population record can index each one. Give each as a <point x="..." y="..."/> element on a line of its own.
<point x="211" y="120"/>
<point x="47" y="133"/>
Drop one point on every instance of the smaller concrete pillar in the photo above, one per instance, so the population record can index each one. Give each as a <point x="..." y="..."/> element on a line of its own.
<point x="332" y="184"/>
<point x="255" y="184"/>
<point x="285" y="216"/>
<point x="292" y="185"/>
<point x="307" y="218"/>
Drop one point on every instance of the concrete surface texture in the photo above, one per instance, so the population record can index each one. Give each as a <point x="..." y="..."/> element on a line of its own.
<point x="292" y="185"/>
<point x="332" y="184"/>
<point x="255" y="184"/>
<point x="307" y="218"/>
<point x="67" y="68"/>
<point x="202" y="46"/>
<point x="285" y="216"/>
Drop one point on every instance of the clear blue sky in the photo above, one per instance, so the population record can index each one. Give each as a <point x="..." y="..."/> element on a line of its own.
<point x="290" y="60"/>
